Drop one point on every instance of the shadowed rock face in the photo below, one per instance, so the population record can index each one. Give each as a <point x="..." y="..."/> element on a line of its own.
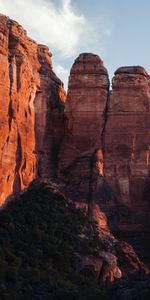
<point x="30" y="93"/>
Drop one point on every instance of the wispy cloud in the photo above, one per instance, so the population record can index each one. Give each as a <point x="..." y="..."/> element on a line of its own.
<point x="55" y="23"/>
<point x="58" y="24"/>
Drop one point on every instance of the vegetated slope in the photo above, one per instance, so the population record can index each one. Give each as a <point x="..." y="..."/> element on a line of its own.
<point x="42" y="236"/>
<point x="44" y="239"/>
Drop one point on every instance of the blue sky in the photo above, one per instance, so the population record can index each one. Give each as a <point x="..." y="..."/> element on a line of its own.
<point x="117" y="30"/>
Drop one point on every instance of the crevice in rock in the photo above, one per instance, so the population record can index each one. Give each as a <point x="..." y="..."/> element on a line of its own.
<point x="24" y="165"/>
<point x="105" y="116"/>
<point x="17" y="180"/>
<point x="10" y="110"/>
<point x="10" y="114"/>
<point x="8" y="178"/>
<point x="25" y="113"/>
<point x="18" y="70"/>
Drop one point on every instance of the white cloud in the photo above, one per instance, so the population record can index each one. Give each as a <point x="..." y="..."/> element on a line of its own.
<point x="58" y="26"/>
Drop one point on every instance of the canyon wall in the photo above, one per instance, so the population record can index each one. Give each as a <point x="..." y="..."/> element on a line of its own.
<point x="30" y="95"/>
<point x="105" y="154"/>
<point x="99" y="148"/>
<point x="80" y="162"/>
<point x="127" y="146"/>
<point x="127" y="156"/>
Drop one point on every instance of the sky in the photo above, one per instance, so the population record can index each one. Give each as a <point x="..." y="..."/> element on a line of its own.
<point x="117" y="30"/>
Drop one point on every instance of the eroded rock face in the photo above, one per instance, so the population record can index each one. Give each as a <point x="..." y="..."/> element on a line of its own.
<point x="85" y="109"/>
<point x="127" y="147"/>
<point x="99" y="148"/>
<point x="80" y="162"/>
<point x="49" y="116"/>
<point x="104" y="157"/>
<point x="27" y="82"/>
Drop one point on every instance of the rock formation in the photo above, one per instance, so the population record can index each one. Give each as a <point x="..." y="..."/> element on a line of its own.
<point x="127" y="137"/>
<point x="31" y="100"/>
<point x="104" y="156"/>
<point x="81" y="155"/>
<point x="99" y="148"/>
<point x="127" y="150"/>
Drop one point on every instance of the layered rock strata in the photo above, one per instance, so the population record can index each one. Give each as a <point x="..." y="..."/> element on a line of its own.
<point x="127" y="156"/>
<point x="99" y="148"/>
<point x="30" y="93"/>
<point x="105" y="156"/>
<point x="127" y="145"/>
<point x="81" y="154"/>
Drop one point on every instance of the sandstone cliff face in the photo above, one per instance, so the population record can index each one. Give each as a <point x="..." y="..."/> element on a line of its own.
<point x="104" y="156"/>
<point x="126" y="152"/>
<point x="81" y="154"/>
<point x="99" y="148"/>
<point x="24" y="87"/>
<point x="127" y="145"/>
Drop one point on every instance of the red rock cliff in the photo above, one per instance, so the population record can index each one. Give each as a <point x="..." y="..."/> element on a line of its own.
<point x="81" y="154"/>
<point x="127" y="148"/>
<point x="30" y="94"/>
<point x="127" y="134"/>
<point x="99" y="148"/>
<point x="105" y="154"/>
